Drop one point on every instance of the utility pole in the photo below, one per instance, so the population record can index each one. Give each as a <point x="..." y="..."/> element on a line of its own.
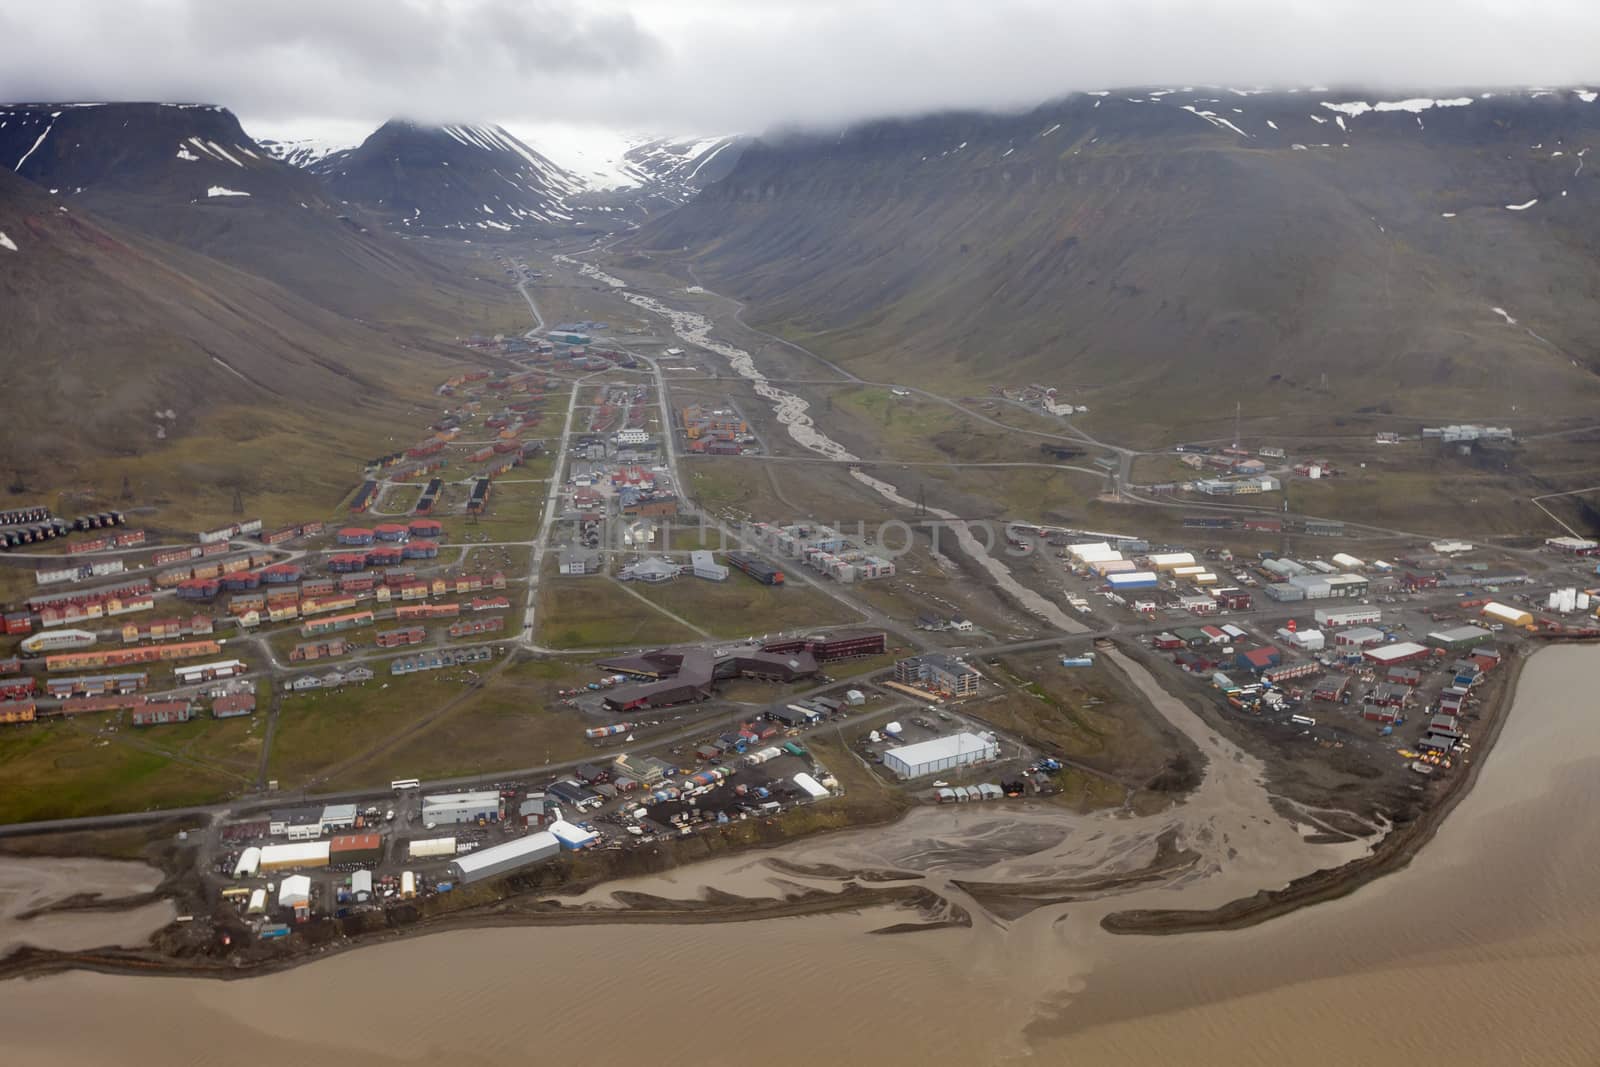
<point x="238" y="501"/>
<point x="127" y="488"/>
<point x="1236" y="426"/>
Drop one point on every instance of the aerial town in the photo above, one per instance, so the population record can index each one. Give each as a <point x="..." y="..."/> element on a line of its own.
<point x="553" y="482"/>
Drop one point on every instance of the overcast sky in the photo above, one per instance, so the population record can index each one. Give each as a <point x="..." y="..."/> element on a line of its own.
<point x="712" y="66"/>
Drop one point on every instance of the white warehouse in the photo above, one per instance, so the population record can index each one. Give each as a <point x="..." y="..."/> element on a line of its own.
<point x="488" y="862"/>
<point x="443" y="809"/>
<point x="940" y="754"/>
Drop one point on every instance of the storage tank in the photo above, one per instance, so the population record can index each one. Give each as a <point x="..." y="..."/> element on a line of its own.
<point x="408" y="885"/>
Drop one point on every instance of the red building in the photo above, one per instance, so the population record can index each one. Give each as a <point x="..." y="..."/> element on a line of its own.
<point x="410" y="635"/>
<point x="836" y="646"/>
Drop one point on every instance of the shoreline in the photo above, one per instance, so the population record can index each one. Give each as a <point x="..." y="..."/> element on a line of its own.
<point x="1395" y="852"/>
<point x="30" y="962"/>
<point x="530" y="906"/>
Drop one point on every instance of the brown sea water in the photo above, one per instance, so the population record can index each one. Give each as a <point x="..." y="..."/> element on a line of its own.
<point x="1485" y="950"/>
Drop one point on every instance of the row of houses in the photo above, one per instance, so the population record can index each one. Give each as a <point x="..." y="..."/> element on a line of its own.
<point x="445" y="657"/>
<point x="350" y="676"/>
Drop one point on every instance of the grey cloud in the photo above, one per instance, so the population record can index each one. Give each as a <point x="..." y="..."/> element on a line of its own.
<point x="719" y="65"/>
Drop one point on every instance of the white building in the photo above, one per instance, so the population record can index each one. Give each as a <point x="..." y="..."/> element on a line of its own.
<point x="488" y="862"/>
<point x="295" y="892"/>
<point x="1337" y="617"/>
<point x="337" y="817"/>
<point x="1097" y="552"/>
<point x="1310" y="640"/>
<point x="249" y="861"/>
<point x="940" y="754"/>
<point x="706" y="566"/>
<point x="443" y="809"/>
<point x="206" y="672"/>
<point x="812" y="787"/>
<point x="431" y="848"/>
<point x="288" y="857"/>
<point x="631" y="437"/>
<point x="1360" y="637"/>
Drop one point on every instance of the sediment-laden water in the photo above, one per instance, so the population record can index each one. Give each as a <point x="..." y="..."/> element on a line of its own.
<point x="1485" y="950"/>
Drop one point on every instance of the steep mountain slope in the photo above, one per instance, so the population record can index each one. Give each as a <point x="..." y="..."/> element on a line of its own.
<point x="302" y="152"/>
<point x="608" y="161"/>
<point x="105" y="328"/>
<point x="1160" y="252"/>
<point x="685" y="164"/>
<point x="190" y="176"/>
<point x="437" y="178"/>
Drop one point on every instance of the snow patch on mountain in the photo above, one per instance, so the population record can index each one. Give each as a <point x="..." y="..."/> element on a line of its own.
<point x="606" y="160"/>
<point x="304" y="151"/>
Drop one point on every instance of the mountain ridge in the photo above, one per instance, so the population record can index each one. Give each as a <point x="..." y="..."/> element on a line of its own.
<point x="1142" y="253"/>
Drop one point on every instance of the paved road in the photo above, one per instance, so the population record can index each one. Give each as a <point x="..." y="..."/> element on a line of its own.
<point x="538" y="319"/>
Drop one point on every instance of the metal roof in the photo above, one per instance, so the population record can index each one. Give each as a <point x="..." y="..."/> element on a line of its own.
<point x="941" y="748"/>
<point x="484" y="858"/>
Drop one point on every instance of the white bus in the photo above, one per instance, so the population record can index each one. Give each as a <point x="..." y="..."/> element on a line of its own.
<point x="400" y="785"/>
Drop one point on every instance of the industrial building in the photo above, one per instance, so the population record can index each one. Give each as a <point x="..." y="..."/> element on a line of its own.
<point x="431" y="848"/>
<point x="1460" y="638"/>
<point x="1334" y="618"/>
<point x="502" y="859"/>
<point x="940" y="754"/>
<point x="572" y="838"/>
<point x="1506" y="615"/>
<point x="1580" y="546"/>
<point x="1398" y="652"/>
<point x="1359" y="637"/>
<point x="441" y="809"/>
<point x="337" y="817"/>
<point x="1127" y="581"/>
<point x="294" y="855"/>
<point x="355" y="848"/>
<point x="294" y="892"/>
